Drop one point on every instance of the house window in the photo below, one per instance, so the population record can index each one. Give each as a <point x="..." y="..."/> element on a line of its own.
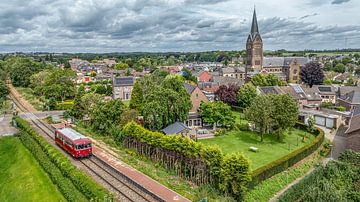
<point x="257" y="62"/>
<point x="295" y="71"/>
<point x="295" y="78"/>
<point x="190" y="123"/>
<point x="197" y="95"/>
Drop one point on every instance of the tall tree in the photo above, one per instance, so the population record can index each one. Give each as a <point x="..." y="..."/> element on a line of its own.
<point x="246" y="95"/>
<point x="227" y="94"/>
<point x="166" y="103"/>
<point x="312" y="74"/>
<point x="78" y="109"/>
<point x="260" y="113"/>
<point x="286" y="113"/>
<point x="107" y="115"/>
<point x="136" y="97"/>
<point x="216" y="113"/>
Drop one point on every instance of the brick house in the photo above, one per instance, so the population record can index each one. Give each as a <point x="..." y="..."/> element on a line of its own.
<point x="204" y="76"/>
<point x="196" y="97"/>
<point x="349" y="97"/>
<point x="122" y="87"/>
<point x="353" y="132"/>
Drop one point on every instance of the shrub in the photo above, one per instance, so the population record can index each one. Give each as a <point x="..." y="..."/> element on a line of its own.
<point x="290" y="159"/>
<point x="66" y="105"/>
<point x="334" y="182"/>
<point x="64" y="184"/>
<point x="191" y="160"/>
<point x="81" y="181"/>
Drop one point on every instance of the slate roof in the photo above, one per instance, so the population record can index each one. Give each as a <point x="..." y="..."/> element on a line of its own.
<point x="175" y="128"/>
<point x="226" y="80"/>
<point x="189" y="88"/>
<point x="353" y="97"/>
<point x="123" y="81"/>
<point x="271" y="90"/>
<point x="283" y="61"/>
<point x="354" y="124"/>
<point x="273" y="62"/>
<point x="343" y="90"/>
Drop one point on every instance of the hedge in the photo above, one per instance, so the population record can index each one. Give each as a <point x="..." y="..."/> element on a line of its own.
<point x="64" y="184"/>
<point x="289" y="160"/>
<point x="64" y="105"/>
<point x="82" y="182"/>
<point x="191" y="160"/>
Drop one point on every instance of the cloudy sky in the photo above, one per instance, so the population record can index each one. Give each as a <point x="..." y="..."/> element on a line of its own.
<point x="175" y="25"/>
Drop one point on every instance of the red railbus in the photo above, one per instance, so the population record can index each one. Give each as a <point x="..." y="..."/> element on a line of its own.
<point x="73" y="142"/>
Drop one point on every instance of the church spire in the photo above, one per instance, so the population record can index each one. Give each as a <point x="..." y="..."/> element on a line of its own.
<point x="254" y="25"/>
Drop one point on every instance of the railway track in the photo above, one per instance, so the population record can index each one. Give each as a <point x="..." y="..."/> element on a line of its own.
<point x="124" y="188"/>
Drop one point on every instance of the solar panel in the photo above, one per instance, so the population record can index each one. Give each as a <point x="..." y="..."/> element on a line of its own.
<point x="298" y="89"/>
<point x="324" y="89"/>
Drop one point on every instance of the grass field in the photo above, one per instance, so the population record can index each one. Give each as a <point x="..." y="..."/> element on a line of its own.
<point x="27" y="94"/>
<point x="21" y="177"/>
<point x="269" y="150"/>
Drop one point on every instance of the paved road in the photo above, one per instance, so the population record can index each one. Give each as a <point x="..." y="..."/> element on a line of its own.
<point x="338" y="140"/>
<point x="42" y="115"/>
<point x="5" y="127"/>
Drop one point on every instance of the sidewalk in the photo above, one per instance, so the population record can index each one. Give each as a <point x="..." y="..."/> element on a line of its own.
<point x="5" y="127"/>
<point x="145" y="181"/>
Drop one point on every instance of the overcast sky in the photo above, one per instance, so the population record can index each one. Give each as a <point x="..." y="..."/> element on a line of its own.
<point x="175" y="25"/>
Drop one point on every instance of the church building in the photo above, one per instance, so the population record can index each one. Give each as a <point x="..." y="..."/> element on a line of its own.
<point x="286" y="68"/>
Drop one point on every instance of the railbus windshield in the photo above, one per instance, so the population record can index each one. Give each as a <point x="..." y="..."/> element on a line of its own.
<point x="83" y="146"/>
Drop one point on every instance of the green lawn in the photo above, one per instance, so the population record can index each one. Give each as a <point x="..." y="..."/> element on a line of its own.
<point x="21" y="177"/>
<point x="269" y="150"/>
<point x="28" y="94"/>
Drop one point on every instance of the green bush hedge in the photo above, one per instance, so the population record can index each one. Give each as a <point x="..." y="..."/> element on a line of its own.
<point x="292" y="158"/>
<point x="64" y="184"/>
<point x="66" y="105"/>
<point x="191" y="160"/>
<point x="82" y="182"/>
<point x="337" y="181"/>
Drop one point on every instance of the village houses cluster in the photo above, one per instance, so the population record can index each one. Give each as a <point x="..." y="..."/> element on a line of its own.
<point x="210" y="76"/>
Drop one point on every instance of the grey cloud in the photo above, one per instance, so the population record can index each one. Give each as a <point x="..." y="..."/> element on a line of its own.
<point x="307" y="16"/>
<point x="149" y="25"/>
<point x="339" y="1"/>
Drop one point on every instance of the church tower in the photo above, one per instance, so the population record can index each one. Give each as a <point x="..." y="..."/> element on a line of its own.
<point x="254" y="47"/>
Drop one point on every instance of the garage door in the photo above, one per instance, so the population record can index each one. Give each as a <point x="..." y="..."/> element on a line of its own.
<point x="320" y="120"/>
<point x="329" y="123"/>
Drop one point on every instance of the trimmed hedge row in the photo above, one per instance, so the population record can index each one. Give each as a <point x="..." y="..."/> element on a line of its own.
<point x="292" y="158"/>
<point x="65" y="186"/>
<point x="64" y="105"/>
<point x="82" y="182"/>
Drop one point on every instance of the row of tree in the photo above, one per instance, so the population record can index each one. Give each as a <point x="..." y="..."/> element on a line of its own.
<point x="4" y="91"/>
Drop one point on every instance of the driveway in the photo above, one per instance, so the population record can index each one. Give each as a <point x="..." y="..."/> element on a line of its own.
<point x="338" y="140"/>
<point x="5" y="127"/>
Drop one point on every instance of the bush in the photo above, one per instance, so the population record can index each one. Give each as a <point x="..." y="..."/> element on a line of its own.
<point x="64" y="105"/>
<point x="65" y="186"/>
<point x="334" y="182"/>
<point x="292" y="158"/>
<point x="82" y="182"/>
<point x="243" y="126"/>
<point x="191" y="160"/>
